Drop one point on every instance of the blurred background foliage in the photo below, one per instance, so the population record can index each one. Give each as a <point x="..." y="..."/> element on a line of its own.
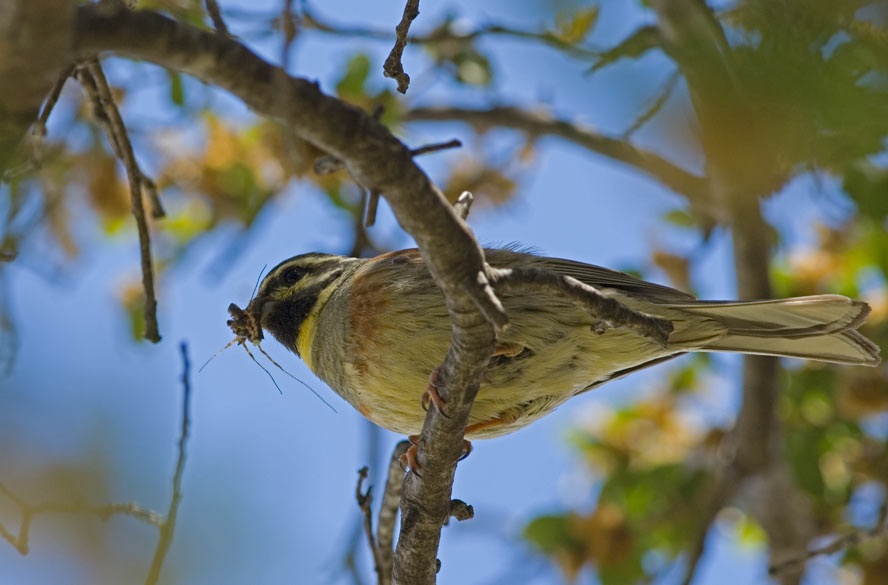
<point x="803" y="91"/>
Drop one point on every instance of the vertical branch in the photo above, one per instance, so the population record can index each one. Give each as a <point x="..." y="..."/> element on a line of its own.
<point x="169" y="523"/>
<point x="388" y="514"/>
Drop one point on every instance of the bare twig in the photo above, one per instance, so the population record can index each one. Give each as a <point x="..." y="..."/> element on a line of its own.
<point x="216" y="16"/>
<point x="92" y="78"/>
<point x="393" y="67"/>
<point x="838" y="544"/>
<point x="54" y="94"/>
<point x="371" y="208"/>
<point x="447" y="34"/>
<point x="381" y="549"/>
<point x="455" y="143"/>
<point x="165" y="524"/>
<point x="169" y="523"/>
<point x="388" y="513"/>
<point x="537" y="124"/>
<point x="655" y="106"/>
<point x="365" y="502"/>
<point x="20" y="539"/>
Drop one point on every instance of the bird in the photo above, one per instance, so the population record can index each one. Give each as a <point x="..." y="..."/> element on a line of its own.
<point x="375" y="329"/>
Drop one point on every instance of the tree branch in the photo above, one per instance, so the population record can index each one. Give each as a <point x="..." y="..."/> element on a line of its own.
<point x="741" y="171"/>
<point x="169" y="524"/>
<point x="388" y="513"/>
<point x="446" y="33"/>
<point x="165" y="524"/>
<point x="393" y="67"/>
<point x="538" y="124"/>
<point x="92" y="79"/>
<point x="36" y="39"/>
<point x="380" y="162"/>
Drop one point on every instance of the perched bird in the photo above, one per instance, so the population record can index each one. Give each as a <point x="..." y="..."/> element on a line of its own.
<point x="374" y="329"/>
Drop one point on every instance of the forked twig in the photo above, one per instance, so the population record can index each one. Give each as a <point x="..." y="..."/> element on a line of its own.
<point x="166" y="524"/>
<point x="92" y="79"/>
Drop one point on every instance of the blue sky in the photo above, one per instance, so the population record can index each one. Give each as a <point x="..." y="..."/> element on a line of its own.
<point x="268" y="489"/>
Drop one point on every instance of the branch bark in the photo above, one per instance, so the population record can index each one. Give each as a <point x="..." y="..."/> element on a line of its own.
<point x="35" y="38"/>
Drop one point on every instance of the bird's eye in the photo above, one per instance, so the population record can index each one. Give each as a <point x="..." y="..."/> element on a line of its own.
<point x="292" y="275"/>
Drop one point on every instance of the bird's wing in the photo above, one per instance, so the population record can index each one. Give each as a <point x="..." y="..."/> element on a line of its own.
<point x="598" y="277"/>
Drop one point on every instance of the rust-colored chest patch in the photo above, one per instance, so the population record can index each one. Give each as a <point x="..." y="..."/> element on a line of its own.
<point x="370" y="305"/>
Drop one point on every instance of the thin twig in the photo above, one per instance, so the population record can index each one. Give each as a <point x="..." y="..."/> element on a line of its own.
<point x="455" y="143"/>
<point x="35" y="140"/>
<point x="388" y="513"/>
<point x="836" y="545"/>
<point x="362" y="246"/>
<point x="371" y="208"/>
<point x="537" y="123"/>
<point x="92" y="78"/>
<point x="54" y="94"/>
<point x="393" y="67"/>
<point x="21" y="540"/>
<point x="365" y="502"/>
<point x="216" y="16"/>
<point x="446" y="34"/>
<point x="169" y="524"/>
<point x="655" y="107"/>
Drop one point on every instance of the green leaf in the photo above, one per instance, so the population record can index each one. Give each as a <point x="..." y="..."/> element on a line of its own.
<point x="549" y="533"/>
<point x="867" y="185"/>
<point x="575" y="27"/>
<point x="357" y="71"/>
<point x="177" y="89"/>
<point x="681" y="218"/>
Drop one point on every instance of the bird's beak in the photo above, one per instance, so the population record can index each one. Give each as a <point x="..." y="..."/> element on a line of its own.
<point x="265" y="308"/>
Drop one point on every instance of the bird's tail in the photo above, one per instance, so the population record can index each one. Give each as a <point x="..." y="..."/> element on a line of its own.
<point x="821" y="327"/>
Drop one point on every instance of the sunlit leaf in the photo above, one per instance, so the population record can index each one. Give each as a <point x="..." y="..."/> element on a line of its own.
<point x="574" y="27"/>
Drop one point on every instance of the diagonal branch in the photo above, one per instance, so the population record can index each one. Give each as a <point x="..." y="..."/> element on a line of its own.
<point x="380" y="162"/>
<point x="447" y="34"/>
<point x="92" y="78"/>
<point x="537" y="124"/>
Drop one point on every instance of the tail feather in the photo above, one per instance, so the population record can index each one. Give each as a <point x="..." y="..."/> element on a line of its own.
<point x="848" y="347"/>
<point x="821" y="327"/>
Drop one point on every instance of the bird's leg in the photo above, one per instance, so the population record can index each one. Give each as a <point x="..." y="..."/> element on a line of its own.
<point x="409" y="461"/>
<point x="431" y="396"/>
